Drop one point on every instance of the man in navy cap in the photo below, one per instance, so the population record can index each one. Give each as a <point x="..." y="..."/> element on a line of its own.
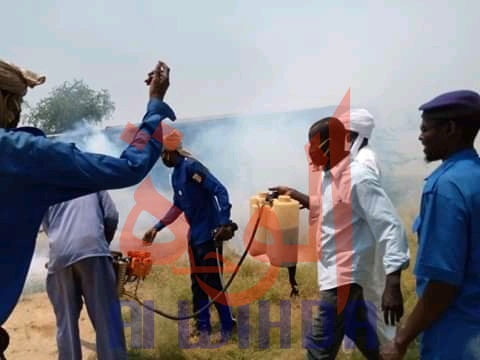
<point x="447" y="313"/>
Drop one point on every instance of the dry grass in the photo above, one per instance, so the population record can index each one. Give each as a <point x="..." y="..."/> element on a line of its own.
<point x="167" y="289"/>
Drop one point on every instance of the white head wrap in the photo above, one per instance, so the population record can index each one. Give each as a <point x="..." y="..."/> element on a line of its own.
<point x="360" y="121"/>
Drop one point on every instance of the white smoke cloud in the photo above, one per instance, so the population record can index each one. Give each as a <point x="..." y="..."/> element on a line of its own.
<point x="88" y="138"/>
<point x="248" y="154"/>
<point x="250" y="157"/>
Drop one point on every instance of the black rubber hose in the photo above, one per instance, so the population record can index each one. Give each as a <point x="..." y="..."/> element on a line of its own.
<point x="227" y="285"/>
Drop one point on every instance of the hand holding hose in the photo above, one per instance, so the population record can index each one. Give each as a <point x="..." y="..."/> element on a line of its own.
<point x="294" y="194"/>
<point x="224" y="233"/>
<point x="281" y="190"/>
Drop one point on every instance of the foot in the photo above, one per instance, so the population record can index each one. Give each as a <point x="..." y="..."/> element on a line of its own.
<point x="197" y="333"/>
<point x="226" y="333"/>
<point x="295" y="291"/>
<point x="225" y="336"/>
<point x="194" y="333"/>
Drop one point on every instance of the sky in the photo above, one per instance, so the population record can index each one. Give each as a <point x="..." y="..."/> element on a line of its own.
<point x="251" y="56"/>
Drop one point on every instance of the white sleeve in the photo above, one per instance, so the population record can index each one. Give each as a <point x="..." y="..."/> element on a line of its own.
<point x="376" y="208"/>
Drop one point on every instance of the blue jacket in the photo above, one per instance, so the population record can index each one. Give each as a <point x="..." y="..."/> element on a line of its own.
<point x="449" y="252"/>
<point x="202" y="198"/>
<point x="36" y="172"/>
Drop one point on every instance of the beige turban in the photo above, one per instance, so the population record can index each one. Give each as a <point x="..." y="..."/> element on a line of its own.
<point x="14" y="83"/>
<point x="15" y="80"/>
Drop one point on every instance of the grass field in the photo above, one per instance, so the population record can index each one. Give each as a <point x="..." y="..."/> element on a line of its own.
<point x="254" y="339"/>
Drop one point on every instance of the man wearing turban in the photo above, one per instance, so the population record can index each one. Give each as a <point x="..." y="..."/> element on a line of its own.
<point x="361" y="242"/>
<point x="36" y="172"/>
<point x="205" y="202"/>
<point x="14" y="82"/>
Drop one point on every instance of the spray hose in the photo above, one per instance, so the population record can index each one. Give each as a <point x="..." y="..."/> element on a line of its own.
<point x="220" y="293"/>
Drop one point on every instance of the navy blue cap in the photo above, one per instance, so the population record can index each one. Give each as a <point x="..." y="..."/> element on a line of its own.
<point x="461" y="99"/>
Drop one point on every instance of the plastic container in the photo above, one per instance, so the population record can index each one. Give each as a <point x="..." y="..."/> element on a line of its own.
<point x="283" y="234"/>
<point x="259" y="245"/>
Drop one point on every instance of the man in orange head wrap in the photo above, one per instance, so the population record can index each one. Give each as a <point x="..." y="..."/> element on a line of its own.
<point x="205" y="202"/>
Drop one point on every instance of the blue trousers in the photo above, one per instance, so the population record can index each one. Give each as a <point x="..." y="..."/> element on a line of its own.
<point x="206" y="270"/>
<point x="357" y="321"/>
<point x="91" y="280"/>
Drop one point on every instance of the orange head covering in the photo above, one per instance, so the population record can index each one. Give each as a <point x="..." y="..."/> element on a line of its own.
<point x="172" y="140"/>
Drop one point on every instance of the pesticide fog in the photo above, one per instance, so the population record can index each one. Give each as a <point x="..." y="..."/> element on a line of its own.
<point x="247" y="154"/>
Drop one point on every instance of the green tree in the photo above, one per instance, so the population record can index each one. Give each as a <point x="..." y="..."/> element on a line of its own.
<point x="69" y="105"/>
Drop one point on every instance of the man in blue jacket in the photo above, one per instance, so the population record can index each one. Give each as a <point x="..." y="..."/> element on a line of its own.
<point x="205" y="203"/>
<point x="36" y="172"/>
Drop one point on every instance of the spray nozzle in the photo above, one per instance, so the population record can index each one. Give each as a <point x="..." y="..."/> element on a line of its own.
<point x="224" y="233"/>
<point x="271" y="195"/>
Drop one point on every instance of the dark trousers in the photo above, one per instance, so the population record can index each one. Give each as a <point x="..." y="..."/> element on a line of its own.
<point x="357" y="320"/>
<point x="4" y="341"/>
<point x="205" y="272"/>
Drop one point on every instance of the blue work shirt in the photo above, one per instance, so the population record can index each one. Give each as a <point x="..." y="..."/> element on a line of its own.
<point x="36" y="172"/>
<point x="201" y="197"/>
<point x="448" y="229"/>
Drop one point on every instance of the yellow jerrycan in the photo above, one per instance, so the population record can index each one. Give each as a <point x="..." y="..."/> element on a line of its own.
<point x="259" y="245"/>
<point x="283" y="234"/>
